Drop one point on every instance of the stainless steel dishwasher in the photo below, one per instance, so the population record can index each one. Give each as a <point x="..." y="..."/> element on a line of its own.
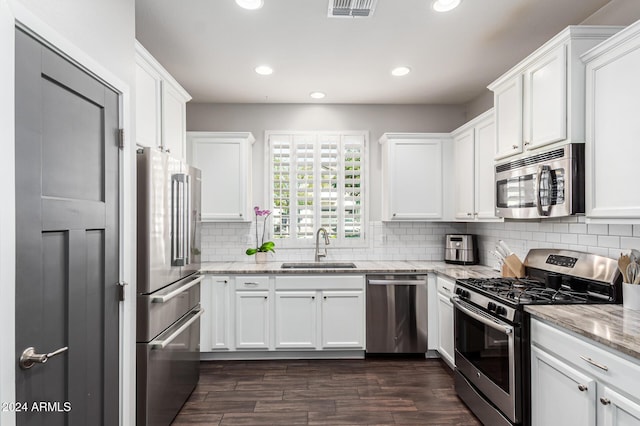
<point x="397" y="313"/>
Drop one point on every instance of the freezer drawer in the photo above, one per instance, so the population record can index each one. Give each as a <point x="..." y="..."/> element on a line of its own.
<point x="397" y="314"/>
<point x="168" y="369"/>
<point x="159" y="310"/>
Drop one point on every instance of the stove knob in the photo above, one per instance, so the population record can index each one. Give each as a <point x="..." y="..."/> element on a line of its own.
<point x="500" y="310"/>
<point x="465" y="294"/>
<point x="458" y="291"/>
<point x="491" y="306"/>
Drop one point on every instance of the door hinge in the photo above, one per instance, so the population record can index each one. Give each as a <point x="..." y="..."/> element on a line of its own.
<point x="121" y="138"/>
<point x="121" y="285"/>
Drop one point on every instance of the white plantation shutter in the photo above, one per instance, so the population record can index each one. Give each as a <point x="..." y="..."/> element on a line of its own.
<point x="316" y="180"/>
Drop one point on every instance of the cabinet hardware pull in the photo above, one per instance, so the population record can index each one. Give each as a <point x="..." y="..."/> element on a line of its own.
<point x="240" y="214"/>
<point x="395" y="214"/>
<point x="265" y="298"/>
<point x="251" y="284"/>
<point x="605" y="401"/>
<point x="445" y="288"/>
<point x="582" y="388"/>
<point x="515" y="146"/>
<point x="222" y="281"/>
<point x="469" y="214"/>
<point x="527" y="143"/>
<point x="594" y="363"/>
<point x="313" y="298"/>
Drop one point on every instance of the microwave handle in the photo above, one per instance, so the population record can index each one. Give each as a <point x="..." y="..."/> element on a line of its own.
<point x="542" y="210"/>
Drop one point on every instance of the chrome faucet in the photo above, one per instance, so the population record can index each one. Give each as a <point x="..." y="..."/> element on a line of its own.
<point x="326" y="243"/>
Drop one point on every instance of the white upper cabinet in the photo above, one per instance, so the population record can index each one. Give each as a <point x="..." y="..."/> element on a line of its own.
<point x="540" y="101"/>
<point x="613" y="126"/>
<point x="474" y="193"/>
<point x="412" y="175"/>
<point x="225" y="162"/>
<point x="160" y="105"/>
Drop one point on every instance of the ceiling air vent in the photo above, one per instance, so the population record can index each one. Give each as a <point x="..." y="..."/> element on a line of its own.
<point x="351" y="8"/>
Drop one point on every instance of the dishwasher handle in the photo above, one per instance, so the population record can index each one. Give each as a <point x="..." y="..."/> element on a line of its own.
<point x="396" y="282"/>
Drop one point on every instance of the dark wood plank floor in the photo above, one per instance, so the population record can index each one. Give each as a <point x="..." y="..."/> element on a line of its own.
<point x="374" y="391"/>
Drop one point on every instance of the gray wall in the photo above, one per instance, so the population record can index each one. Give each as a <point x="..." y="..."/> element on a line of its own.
<point x="616" y="12"/>
<point x="377" y="119"/>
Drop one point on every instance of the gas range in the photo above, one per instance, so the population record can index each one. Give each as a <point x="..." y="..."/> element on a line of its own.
<point x="553" y="277"/>
<point x="492" y="354"/>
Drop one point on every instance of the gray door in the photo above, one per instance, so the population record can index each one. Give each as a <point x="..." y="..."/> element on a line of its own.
<point x="66" y="240"/>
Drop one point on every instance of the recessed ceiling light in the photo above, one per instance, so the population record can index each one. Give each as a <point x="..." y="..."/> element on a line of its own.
<point x="317" y="95"/>
<point x="400" y="71"/>
<point x="445" y="5"/>
<point x="250" y="4"/>
<point x="264" y="70"/>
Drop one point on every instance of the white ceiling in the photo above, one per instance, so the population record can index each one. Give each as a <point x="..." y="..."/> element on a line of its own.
<point x="212" y="47"/>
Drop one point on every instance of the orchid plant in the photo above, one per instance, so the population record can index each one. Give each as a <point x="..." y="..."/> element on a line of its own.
<point x="261" y="245"/>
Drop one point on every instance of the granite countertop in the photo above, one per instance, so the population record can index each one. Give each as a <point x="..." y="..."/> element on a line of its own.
<point x="611" y="325"/>
<point x="362" y="267"/>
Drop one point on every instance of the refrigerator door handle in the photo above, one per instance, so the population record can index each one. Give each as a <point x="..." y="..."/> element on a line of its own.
<point x="161" y="344"/>
<point x="177" y="218"/>
<point x="187" y="220"/>
<point x="166" y="297"/>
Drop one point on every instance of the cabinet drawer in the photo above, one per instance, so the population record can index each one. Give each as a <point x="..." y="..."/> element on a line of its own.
<point x="588" y="355"/>
<point x="445" y="286"/>
<point x="252" y="283"/>
<point x="329" y="282"/>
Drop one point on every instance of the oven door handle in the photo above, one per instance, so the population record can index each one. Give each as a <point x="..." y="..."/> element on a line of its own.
<point x="485" y="319"/>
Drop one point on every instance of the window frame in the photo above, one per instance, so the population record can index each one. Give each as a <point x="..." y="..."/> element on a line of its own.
<point x="361" y="242"/>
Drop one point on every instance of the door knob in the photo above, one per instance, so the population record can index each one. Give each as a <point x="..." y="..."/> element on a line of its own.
<point x="30" y="357"/>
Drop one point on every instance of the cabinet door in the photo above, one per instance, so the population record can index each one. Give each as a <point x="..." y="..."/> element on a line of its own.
<point x="148" y="89"/>
<point x="252" y="319"/>
<point x="225" y="177"/>
<point x="221" y="313"/>
<point x="342" y="319"/>
<point x="560" y="395"/>
<point x="545" y="96"/>
<point x="508" y="104"/>
<point x="485" y="191"/>
<point x="173" y="122"/>
<point x="296" y="319"/>
<point x="613" y="90"/>
<point x="445" y="329"/>
<point x="618" y="410"/>
<point x="415" y="179"/>
<point x="464" y="165"/>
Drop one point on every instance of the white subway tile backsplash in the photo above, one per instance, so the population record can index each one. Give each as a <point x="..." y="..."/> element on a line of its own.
<point x="622" y="230"/>
<point x="425" y="240"/>
<point x="598" y="229"/>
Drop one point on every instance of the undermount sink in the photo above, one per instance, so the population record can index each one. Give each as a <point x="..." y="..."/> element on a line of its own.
<point x="318" y="265"/>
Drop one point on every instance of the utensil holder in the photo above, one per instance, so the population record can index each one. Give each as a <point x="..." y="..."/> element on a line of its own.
<point x="631" y="296"/>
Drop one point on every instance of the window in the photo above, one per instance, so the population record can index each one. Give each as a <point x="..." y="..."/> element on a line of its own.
<point x="317" y="180"/>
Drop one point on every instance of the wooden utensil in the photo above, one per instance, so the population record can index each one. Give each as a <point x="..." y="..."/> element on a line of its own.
<point x="623" y="264"/>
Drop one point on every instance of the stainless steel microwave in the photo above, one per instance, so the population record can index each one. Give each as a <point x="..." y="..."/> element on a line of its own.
<point x="545" y="184"/>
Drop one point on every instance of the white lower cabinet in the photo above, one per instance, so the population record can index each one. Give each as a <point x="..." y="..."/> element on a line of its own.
<point x="279" y="313"/>
<point x="445" y="345"/>
<point x="559" y="393"/>
<point x="576" y="381"/>
<point x="215" y="298"/>
<point x="252" y="319"/>
<point x="253" y="306"/>
<point x="296" y="319"/>
<point x="343" y="319"/>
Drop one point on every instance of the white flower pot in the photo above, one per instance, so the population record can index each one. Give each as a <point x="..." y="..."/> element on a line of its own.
<point x="631" y="296"/>
<point x="261" y="257"/>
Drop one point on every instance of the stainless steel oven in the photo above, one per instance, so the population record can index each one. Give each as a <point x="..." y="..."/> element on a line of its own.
<point x="547" y="184"/>
<point x="492" y="353"/>
<point x="487" y="354"/>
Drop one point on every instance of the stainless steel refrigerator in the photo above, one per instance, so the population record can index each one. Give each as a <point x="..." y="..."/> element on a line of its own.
<point x="168" y="305"/>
